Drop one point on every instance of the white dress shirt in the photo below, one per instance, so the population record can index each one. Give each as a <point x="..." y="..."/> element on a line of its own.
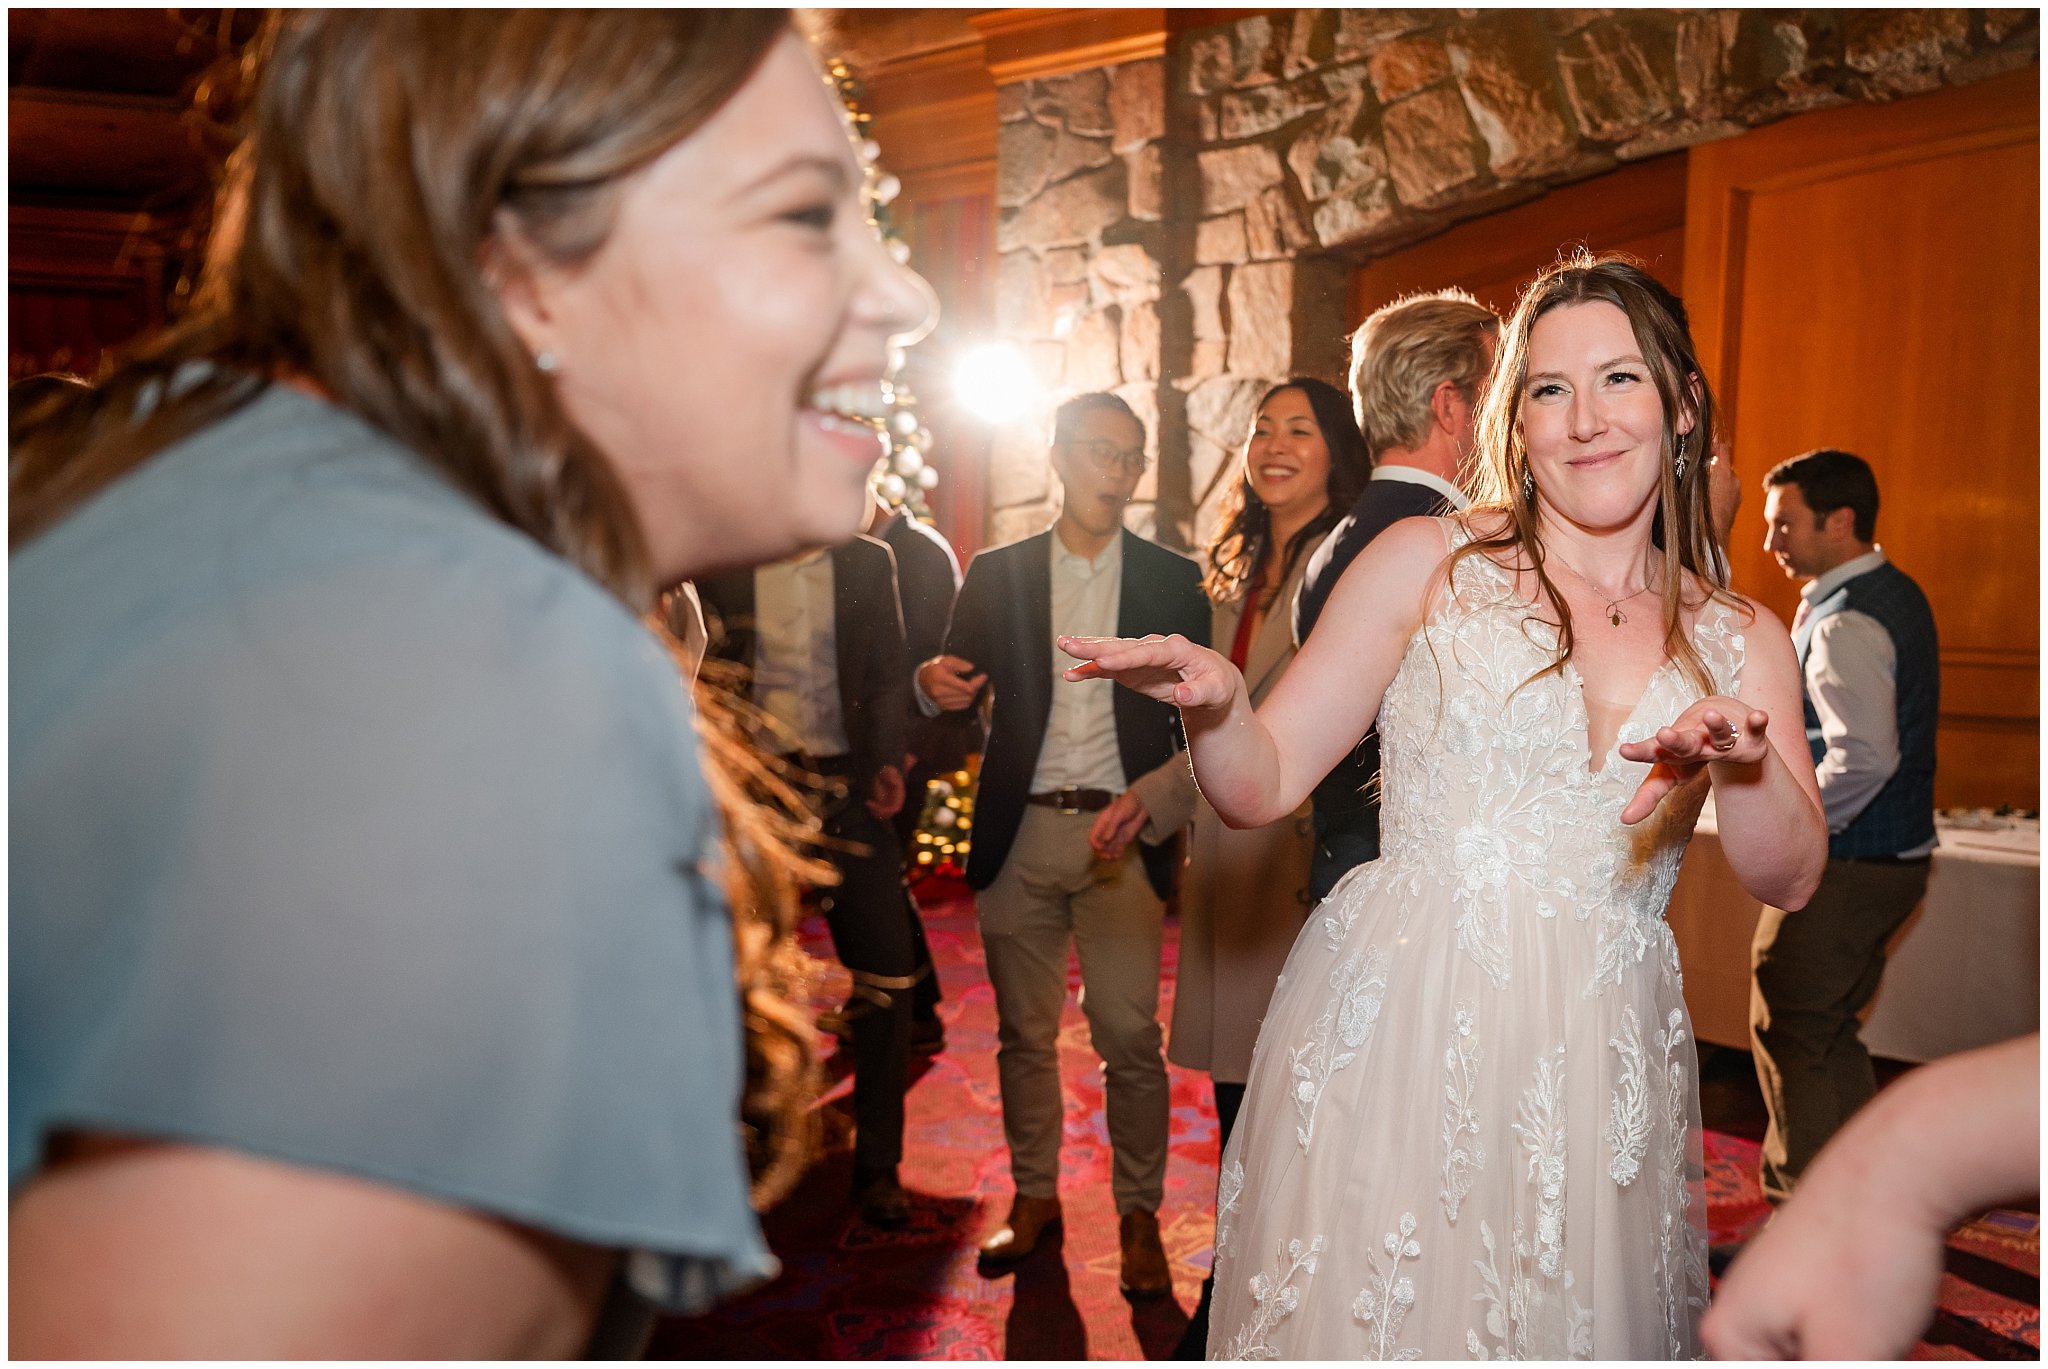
<point x="1080" y="730"/>
<point x="1852" y="680"/>
<point x="796" y="652"/>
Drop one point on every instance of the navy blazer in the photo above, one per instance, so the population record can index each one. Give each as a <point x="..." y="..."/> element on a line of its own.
<point x="927" y="579"/>
<point x="874" y="688"/>
<point x="1002" y="622"/>
<point x="1346" y="801"/>
<point x="1381" y="504"/>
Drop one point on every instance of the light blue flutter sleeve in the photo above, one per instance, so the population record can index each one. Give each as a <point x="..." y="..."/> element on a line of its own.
<point x="350" y="828"/>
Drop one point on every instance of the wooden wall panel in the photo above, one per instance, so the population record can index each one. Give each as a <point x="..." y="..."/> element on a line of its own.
<point x="80" y="283"/>
<point x="935" y="121"/>
<point x="952" y="243"/>
<point x="1639" y="209"/>
<point x="1868" y="278"/>
<point x="934" y="109"/>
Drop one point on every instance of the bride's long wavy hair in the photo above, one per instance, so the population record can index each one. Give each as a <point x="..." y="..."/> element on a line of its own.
<point x="387" y="155"/>
<point x="1502" y="483"/>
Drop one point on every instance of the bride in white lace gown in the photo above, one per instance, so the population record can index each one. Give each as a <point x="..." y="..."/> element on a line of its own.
<point x="1472" y="1124"/>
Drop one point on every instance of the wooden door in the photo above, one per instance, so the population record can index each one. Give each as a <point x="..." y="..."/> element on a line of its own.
<point x="1868" y="278"/>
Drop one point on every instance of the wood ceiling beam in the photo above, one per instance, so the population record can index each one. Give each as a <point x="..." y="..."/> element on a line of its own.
<point x="124" y="147"/>
<point x="1029" y="44"/>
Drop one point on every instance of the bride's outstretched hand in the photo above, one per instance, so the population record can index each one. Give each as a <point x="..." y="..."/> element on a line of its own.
<point x="1715" y="729"/>
<point x="1172" y="669"/>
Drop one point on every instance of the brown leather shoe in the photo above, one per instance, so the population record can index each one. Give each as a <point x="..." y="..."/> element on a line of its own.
<point x="1030" y="1219"/>
<point x="1144" y="1260"/>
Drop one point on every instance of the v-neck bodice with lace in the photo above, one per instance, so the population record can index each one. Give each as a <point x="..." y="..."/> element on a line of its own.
<point x="1472" y="1124"/>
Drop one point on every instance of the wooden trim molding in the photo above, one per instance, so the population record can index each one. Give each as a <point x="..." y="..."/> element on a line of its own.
<point x="84" y="247"/>
<point x="947" y="73"/>
<point x="1992" y="658"/>
<point x="1029" y="44"/>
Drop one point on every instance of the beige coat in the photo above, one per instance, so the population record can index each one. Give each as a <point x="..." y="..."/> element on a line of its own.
<point x="1244" y="895"/>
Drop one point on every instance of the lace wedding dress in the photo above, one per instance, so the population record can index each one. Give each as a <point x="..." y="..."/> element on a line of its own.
<point x="1472" y="1124"/>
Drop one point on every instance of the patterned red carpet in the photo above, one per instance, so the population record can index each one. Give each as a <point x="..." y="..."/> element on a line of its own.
<point x="848" y="1292"/>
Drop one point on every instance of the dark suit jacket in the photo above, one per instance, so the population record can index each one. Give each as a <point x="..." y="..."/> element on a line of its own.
<point x="927" y="578"/>
<point x="1002" y="622"/>
<point x="1347" y="803"/>
<point x="1380" y="505"/>
<point x="874" y="687"/>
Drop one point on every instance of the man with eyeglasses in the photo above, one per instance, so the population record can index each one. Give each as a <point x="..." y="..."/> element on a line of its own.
<point x="1057" y="754"/>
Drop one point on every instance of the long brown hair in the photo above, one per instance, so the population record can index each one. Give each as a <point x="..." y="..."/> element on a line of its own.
<point x="389" y="156"/>
<point x="1243" y="522"/>
<point x="1682" y="528"/>
<point x="772" y="849"/>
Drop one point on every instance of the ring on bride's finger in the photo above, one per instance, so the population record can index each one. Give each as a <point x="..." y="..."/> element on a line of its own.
<point x="1728" y="745"/>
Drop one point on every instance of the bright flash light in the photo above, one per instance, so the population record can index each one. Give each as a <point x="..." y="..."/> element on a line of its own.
<point x="995" y="382"/>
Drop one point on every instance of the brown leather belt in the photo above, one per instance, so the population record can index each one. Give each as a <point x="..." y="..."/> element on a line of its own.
<point x="1071" y="800"/>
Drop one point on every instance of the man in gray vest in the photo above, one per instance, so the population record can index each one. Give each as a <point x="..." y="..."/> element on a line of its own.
<point x="1868" y="653"/>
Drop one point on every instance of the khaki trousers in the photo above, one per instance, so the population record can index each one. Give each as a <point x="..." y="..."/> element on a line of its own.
<point x="1053" y="890"/>
<point x="1815" y="971"/>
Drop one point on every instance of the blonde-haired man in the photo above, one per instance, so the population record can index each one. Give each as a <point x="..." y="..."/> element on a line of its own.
<point x="1417" y="368"/>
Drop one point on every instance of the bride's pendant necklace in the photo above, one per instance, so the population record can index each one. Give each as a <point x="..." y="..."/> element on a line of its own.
<point x="1613" y="612"/>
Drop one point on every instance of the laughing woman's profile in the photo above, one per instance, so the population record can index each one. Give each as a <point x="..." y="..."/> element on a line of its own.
<point x="373" y="986"/>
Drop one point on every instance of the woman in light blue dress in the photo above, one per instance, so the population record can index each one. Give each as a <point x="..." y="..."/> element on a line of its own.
<point x="372" y="985"/>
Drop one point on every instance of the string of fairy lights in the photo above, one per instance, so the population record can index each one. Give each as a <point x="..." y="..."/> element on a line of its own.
<point x="904" y="476"/>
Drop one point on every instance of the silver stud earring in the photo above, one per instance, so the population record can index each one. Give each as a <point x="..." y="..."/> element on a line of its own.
<point x="1678" y="465"/>
<point x="546" y="361"/>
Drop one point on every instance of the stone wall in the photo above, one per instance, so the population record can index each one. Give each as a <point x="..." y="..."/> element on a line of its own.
<point x="1181" y="230"/>
<point x="1080" y="277"/>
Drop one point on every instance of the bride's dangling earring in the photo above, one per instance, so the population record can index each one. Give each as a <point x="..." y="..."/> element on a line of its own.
<point x="1528" y="488"/>
<point x="1678" y="465"/>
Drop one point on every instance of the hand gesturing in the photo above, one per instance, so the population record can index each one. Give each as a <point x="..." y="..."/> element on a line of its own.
<point x="1172" y="669"/>
<point x="1704" y="734"/>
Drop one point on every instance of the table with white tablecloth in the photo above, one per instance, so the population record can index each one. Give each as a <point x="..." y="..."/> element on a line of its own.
<point x="1964" y="971"/>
